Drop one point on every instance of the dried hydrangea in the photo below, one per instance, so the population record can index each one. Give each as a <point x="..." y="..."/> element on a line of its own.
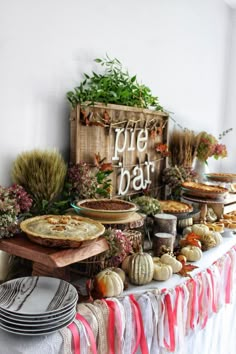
<point x="13" y="201"/>
<point x="119" y="247"/>
<point x="173" y="177"/>
<point x="82" y="183"/>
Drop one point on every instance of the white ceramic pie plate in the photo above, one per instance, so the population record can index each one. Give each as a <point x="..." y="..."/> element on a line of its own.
<point x="36" y="296"/>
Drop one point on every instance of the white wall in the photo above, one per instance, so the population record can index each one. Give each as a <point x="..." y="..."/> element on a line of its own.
<point x="177" y="47"/>
<point x="229" y="164"/>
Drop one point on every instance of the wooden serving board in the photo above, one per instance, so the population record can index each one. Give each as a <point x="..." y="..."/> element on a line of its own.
<point x="21" y="246"/>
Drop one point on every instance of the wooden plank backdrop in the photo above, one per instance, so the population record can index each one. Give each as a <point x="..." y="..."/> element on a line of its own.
<point x="93" y="130"/>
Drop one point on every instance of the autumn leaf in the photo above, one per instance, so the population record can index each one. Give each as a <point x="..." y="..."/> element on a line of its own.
<point x="153" y="134"/>
<point x="106" y="117"/>
<point x="191" y="239"/>
<point x="106" y="167"/>
<point x="186" y="268"/>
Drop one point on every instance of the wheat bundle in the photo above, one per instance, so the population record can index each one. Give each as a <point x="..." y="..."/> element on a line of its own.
<point x="41" y="173"/>
<point x="183" y="147"/>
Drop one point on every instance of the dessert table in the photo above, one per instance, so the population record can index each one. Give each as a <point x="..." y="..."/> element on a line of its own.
<point x="182" y="315"/>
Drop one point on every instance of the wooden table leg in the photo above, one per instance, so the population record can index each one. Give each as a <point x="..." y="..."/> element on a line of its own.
<point x="203" y="213"/>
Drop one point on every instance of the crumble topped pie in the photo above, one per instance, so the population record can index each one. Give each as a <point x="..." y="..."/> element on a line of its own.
<point x="173" y="206"/>
<point x="62" y="227"/>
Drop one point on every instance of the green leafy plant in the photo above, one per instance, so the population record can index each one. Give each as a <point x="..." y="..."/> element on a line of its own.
<point x="114" y="85"/>
<point x="147" y="205"/>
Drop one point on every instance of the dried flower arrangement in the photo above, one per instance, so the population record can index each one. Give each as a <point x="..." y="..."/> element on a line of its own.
<point x="84" y="181"/>
<point x="174" y="176"/>
<point x="42" y="174"/>
<point x="210" y="147"/>
<point x="183" y="147"/>
<point x="15" y="202"/>
<point x="119" y="248"/>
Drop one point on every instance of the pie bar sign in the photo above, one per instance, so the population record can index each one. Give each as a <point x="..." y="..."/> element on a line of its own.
<point x="128" y="140"/>
<point x="139" y="177"/>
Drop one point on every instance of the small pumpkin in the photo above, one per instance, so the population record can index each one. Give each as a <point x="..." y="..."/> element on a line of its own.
<point x="162" y="271"/>
<point x="200" y="229"/>
<point x="187" y="230"/>
<point x="141" y="268"/>
<point x="217" y="237"/>
<point x="108" y="283"/>
<point x="192" y="253"/>
<point x="172" y="261"/>
<point x="119" y="271"/>
<point x="125" y="264"/>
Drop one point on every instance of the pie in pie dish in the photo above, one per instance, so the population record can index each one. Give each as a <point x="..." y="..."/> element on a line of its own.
<point x="61" y="230"/>
<point x="221" y="177"/>
<point x="204" y="190"/>
<point x="106" y="209"/>
<point x="175" y="207"/>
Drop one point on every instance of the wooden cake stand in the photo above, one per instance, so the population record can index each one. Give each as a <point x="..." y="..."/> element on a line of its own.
<point x="50" y="261"/>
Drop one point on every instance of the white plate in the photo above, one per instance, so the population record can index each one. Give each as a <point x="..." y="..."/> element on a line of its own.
<point x="37" y="318"/>
<point x="43" y="323"/>
<point x="36" y="295"/>
<point x="37" y="332"/>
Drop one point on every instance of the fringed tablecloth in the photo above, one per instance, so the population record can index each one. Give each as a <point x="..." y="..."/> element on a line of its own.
<point x="181" y="316"/>
<point x="161" y="320"/>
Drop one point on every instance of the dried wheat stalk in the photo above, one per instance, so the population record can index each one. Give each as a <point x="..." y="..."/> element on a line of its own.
<point x="183" y="145"/>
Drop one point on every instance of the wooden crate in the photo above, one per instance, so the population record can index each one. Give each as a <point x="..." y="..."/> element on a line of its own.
<point x="125" y="136"/>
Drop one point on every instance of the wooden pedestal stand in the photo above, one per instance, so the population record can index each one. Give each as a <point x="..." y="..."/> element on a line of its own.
<point x="51" y="261"/>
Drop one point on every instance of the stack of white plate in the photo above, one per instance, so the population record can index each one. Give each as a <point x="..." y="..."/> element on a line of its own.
<point x="36" y="305"/>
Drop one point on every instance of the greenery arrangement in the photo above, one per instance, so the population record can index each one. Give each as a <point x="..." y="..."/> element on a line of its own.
<point x="147" y="205"/>
<point x="114" y="85"/>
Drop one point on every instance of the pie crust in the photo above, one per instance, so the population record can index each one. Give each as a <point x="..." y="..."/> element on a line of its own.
<point x="65" y="230"/>
<point x="175" y="207"/>
<point x="204" y="191"/>
<point x="222" y="177"/>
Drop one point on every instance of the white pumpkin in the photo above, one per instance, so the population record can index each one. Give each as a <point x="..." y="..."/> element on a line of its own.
<point x="108" y="283"/>
<point x="192" y="253"/>
<point x="172" y="261"/>
<point x="200" y="229"/>
<point x="187" y="230"/>
<point x="125" y="264"/>
<point x="162" y="271"/>
<point x="217" y="236"/>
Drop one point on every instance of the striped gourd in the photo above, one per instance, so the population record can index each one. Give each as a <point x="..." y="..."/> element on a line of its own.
<point x="141" y="268"/>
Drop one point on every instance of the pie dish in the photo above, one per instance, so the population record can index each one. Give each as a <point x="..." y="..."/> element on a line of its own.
<point x="106" y="209"/>
<point x="221" y="177"/>
<point x="175" y="207"/>
<point x="204" y="190"/>
<point x="61" y="230"/>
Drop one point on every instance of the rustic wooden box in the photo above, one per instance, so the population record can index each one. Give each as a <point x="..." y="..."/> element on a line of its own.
<point x="114" y="132"/>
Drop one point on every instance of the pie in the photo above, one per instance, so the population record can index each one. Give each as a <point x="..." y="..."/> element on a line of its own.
<point x="65" y="230"/>
<point x="106" y="209"/>
<point x="222" y="177"/>
<point x="204" y="190"/>
<point x="175" y="207"/>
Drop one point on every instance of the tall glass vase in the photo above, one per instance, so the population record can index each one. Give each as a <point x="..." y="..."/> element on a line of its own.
<point x="201" y="168"/>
